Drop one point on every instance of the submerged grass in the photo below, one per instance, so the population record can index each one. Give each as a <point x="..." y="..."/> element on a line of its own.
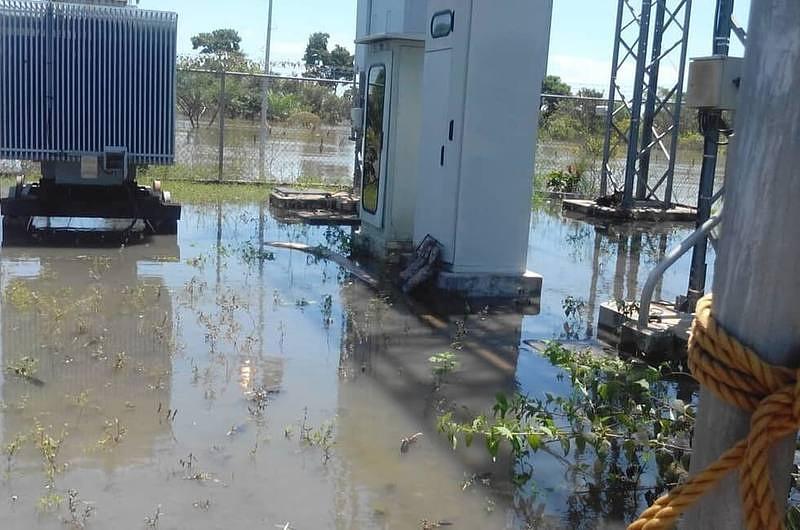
<point x="206" y="193"/>
<point x="231" y="192"/>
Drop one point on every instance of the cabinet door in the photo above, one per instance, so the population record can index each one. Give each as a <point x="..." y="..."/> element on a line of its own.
<point x="443" y="111"/>
<point x="439" y="161"/>
<point x="374" y="148"/>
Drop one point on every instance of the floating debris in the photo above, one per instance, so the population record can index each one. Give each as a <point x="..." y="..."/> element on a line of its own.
<point x="406" y="443"/>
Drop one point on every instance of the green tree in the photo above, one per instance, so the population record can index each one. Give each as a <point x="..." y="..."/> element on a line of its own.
<point x="320" y="62"/>
<point x="341" y="63"/>
<point x="589" y="93"/>
<point x="553" y="84"/>
<point x="198" y="93"/>
<point x="317" y="55"/>
<point x="195" y="92"/>
<point x="220" y="42"/>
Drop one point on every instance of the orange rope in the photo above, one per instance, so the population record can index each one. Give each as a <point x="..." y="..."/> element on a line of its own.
<point x="737" y="375"/>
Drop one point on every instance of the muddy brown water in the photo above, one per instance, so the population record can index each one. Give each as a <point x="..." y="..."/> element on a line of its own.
<point x="247" y="348"/>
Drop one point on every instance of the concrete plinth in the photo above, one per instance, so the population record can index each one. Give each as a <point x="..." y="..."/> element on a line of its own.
<point x="314" y="206"/>
<point x="641" y="211"/>
<point x="665" y="338"/>
<point x="525" y="289"/>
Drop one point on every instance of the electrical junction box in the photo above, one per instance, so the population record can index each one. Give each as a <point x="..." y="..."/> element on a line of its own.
<point x="714" y="82"/>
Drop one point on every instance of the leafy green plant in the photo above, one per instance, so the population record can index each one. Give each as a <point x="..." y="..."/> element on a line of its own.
<point x="616" y="412"/>
<point x="565" y="181"/>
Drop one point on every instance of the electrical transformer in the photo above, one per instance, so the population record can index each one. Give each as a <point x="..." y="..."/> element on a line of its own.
<point x="88" y="90"/>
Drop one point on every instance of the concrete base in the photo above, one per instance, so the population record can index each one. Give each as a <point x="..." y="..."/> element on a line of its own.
<point x="665" y="338"/>
<point x="526" y="289"/>
<point x="641" y="211"/>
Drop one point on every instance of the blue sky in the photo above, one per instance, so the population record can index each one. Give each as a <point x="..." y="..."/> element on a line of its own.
<point x="580" y="48"/>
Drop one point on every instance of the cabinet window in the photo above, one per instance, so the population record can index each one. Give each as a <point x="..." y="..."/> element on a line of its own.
<point x="442" y="24"/>
<point x="373" y="138"/>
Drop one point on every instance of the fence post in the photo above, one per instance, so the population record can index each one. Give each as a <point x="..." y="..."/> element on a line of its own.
<point x="262" y="152"/>
<point x="756" y="284"/>
<point x="221" y="112"/>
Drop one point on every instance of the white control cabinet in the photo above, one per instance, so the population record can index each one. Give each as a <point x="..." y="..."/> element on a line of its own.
<point x="484" y="65"/>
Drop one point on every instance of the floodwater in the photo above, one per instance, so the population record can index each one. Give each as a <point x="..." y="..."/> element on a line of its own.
<point x="209" y="381"/>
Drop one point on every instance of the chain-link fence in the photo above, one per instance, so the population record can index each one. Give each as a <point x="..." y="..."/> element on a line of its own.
<point x="220" y="134"/>
<point x="570" y="149"/>
<point x="306" y="137"/>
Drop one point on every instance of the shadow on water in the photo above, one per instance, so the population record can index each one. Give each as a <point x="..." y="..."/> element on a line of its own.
<point x="289" y="385"/>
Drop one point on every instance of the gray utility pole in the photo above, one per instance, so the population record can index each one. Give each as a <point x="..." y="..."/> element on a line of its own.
<point x="262" y="151"/>
<point x="713" y="118"/>
<point x="756" y="285"/>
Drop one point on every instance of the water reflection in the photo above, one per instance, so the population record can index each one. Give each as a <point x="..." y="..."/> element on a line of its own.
<point x="101" y="335"/>
<point x="586" y="263"/>
<point x="250" y="345"/>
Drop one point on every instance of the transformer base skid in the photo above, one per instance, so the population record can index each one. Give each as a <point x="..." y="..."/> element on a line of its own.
<point x="126" y="201"/>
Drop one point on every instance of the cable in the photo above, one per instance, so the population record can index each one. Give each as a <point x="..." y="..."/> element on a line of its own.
<point x="710" y="120"/>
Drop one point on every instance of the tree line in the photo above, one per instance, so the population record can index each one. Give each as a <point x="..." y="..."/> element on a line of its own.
<point x="302" y="102"/>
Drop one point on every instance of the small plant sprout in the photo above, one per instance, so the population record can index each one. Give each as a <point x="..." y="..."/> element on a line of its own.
<point x="79" y="511"/>
<point x="323" y="438"/>
<point x="24" y="367"/>
<point x="113" y="433"/>
<point x="151" y="521"/>
<point x="202" y="505"/>
<point x="12" y="448"/>
<point x="459" y="335"/>
<point x="443" y="364"/>
<point x="49" y="447"/>
<point x="120" y="361"/>
<point x="49" y="503"/>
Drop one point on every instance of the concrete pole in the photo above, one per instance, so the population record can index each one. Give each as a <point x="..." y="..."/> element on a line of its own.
<point x="262" y="152"/>
<point x="757" y="284"/>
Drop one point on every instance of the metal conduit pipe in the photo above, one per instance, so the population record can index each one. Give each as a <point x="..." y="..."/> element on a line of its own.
<point x="670" y="259"/>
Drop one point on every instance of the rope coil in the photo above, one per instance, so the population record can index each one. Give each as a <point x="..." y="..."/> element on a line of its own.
<point x="735" y="374"/>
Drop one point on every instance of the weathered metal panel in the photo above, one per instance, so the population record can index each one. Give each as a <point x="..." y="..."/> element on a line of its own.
<point x="76" y="79"/>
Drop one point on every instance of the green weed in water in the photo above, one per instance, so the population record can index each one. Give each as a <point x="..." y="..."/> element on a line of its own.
<point x="49" y="446"/>
<point x="49" y="503"/>
<point x="443" y="363"/>
<point x="24" y="367"/>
